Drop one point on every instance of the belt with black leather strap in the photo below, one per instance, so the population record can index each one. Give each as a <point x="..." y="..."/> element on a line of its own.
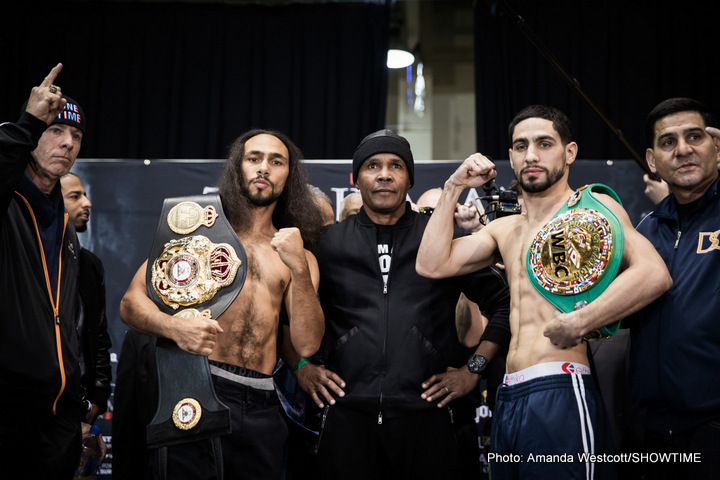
<point x="575" y="256"/>
<point x="197" y="266"/>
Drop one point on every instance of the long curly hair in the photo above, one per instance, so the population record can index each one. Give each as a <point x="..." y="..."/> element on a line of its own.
<point x="296" y="205"/>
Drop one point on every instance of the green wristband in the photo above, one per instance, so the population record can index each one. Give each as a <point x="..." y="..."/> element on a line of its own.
<point x="297" y="366"/>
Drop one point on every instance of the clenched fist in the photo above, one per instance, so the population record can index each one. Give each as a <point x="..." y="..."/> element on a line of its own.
<point x="475" y="171"/>
<point x="288" y="243"/>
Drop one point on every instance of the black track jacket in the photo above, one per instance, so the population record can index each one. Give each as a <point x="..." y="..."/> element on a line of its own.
<point x="39" y="369"/>
<point x="384" y="344"/>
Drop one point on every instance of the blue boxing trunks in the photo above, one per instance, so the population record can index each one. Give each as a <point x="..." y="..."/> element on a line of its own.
<point x="549" y="423"/>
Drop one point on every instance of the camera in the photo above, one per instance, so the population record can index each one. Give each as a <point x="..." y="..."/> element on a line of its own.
<point x="500" y="203"/>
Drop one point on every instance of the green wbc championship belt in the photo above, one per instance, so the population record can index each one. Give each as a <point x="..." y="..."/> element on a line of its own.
<point x="575" y="256"/>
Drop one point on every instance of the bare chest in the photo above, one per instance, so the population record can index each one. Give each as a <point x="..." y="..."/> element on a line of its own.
<point x="527" y="305"/>
<point x="251" y="323"/>
<point x="265" y="269"/>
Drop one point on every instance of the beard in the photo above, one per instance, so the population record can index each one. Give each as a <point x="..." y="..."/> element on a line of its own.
<point x="238" y="201"/>
<point x="256" y="199"/>
<point x="536" y="185"/>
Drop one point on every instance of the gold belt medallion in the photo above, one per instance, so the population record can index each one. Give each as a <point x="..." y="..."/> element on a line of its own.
<point x="192" y="313"/>
<point x="571" y="253"/>
<point x="192" y="270"/>
<point x="186" y="217"/>
<point x="187" y="413"/>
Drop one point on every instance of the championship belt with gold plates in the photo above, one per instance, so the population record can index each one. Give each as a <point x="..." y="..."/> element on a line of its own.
<point x="197" y="267"/>
<point x="575" y="256"/>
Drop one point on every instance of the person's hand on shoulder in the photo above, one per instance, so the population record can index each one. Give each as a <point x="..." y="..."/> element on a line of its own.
<point x="655" y="190"/>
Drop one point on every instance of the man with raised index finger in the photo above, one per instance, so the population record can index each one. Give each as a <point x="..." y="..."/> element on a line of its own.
<point x="39" y="369"/>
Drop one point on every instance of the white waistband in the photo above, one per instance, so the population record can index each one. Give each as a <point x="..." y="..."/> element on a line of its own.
<point x="545" y="369"/>
<point x="256" y="383"/>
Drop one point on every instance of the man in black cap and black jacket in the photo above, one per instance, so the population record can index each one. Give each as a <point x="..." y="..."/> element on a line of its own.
<point x="40" y="405"/>
<point x="388" y="330"/>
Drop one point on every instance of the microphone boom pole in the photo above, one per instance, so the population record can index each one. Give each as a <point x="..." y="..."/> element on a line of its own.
<point x="520" y="23"/>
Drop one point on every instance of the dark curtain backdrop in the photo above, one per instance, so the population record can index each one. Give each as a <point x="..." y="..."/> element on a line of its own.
<point x="182" y="80"/>
<point x="627" y="55"/>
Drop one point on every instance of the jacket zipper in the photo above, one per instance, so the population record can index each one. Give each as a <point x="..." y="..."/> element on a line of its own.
<point x="54" y="302"/>
<point x="677" y="240"/>
<point x="671" y="268"/>
<point x="385" y="315"/>
<point x="322" y="424"/>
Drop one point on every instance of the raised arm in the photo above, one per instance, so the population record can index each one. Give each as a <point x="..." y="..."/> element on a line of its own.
<point x="17" y="140"/>
<point x="643" y="277"/>
<point x="439" y="255"/>
<point x="307" y="323"/>
<point x="194" y="335"/>
<point x="46" y="101"/>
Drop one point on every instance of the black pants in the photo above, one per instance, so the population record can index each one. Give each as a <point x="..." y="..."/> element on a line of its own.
<point x="43" y="446"/>
<point x="254" y="449"/>
<point x="417" y="445"/>
<point x="703" y="440"/>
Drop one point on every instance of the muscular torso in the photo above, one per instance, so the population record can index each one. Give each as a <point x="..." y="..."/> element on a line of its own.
<point x="530" y="312"/>
<point x="250" y="325"/>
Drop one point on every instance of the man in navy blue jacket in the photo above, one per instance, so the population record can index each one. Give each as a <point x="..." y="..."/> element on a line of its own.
<point x="675" y="368"/>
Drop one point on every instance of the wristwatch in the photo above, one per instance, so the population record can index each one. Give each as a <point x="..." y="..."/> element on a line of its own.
<point x="476" y="364"/>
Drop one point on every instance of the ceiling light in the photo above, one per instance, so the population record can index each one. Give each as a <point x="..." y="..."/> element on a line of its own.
<point x="399" y="58"/>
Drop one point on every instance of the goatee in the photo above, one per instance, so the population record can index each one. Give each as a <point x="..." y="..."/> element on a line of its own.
<point x="238" y="202"/>
<point x="257" y="199"/>
<point x="536" y="185"/>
